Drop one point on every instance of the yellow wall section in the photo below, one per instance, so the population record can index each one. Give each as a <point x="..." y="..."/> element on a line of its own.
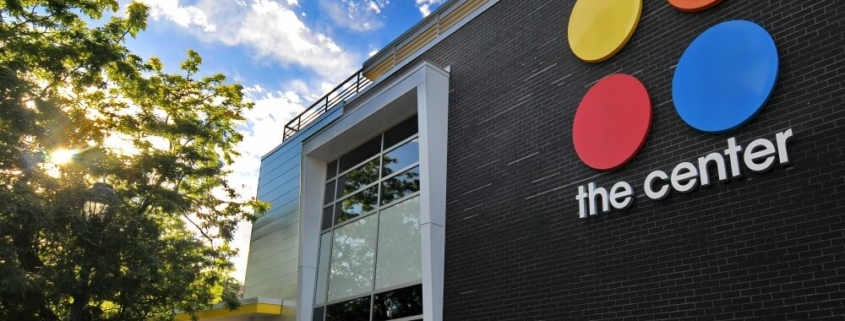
<point x="246" y="310"/>
<point x="598" y="29"/>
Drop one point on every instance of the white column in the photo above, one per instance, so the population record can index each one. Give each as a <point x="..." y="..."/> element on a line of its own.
<point x="433" y="115"/>
<point x="310" y="212"/>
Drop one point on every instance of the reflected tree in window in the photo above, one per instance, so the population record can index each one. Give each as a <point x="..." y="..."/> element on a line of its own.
<point x="399" y="303"/>
<point x="393" y="229"/>
<point x="353" y="259"/>
<point x="400" y="185"/>
<point x="399" y="243"/>
<point x="352" y="310"/>
<point x="357" y="178"/>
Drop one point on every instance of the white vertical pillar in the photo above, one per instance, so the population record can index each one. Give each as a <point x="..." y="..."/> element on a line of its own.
<point x="433" y="116"/>
<point x="310" y="212"/>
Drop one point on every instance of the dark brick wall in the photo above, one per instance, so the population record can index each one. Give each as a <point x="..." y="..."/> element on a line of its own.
<point x="767" y="246"/>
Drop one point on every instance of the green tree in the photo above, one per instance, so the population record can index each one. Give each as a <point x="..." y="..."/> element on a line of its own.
<point x="162" y="244"/>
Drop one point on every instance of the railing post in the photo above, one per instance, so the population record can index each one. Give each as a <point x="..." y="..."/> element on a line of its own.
<point x="358" y="83"/>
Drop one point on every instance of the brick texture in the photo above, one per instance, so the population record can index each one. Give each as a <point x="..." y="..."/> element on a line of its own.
<point x="767" y="246"/>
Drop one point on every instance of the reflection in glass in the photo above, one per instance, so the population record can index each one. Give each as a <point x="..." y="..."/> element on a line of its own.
<point x="352" y="259"/>
<point x="405" y="302"/>
<point x="355" y="205"/>
<point x="360" y="154"/>
<point x="401" y="185"/>
<point x="352" y="310"/>
<point x="400" y="132"/>
<point x="399" y="258"/>
<point x="323" y="267"/>
<point x="401" y="157"/>
<point x="357" y="178"/>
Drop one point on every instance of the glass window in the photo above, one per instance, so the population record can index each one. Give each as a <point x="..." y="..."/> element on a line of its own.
<point x="349" y="271"/>
<point x="401" y="157"/>
<point x="327" y="218"/>
<point x="323" y="267"/>
<point x="360" y="154"/>
<point x="357" y="178"/>
<point x="400" y="185"/>
<point x="399" y="258"/>
<point x="352" y="310"/>
<point x="356" y="205"/>
<point x="331" y="170"/>
<point x="328" y="196"/>
<point x="352" y="259"/>
<point x="401" y="303"/>
<point x="318" y="314"/>
<point x="399" y="132"/>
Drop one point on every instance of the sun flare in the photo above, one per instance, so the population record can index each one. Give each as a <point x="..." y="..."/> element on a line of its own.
<point x="62" y="156"/>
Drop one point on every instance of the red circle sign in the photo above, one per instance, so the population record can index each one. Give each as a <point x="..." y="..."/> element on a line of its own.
<point x="612" y="122"/>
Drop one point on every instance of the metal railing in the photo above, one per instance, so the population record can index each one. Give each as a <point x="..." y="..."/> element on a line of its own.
<point x="337" y="96"/>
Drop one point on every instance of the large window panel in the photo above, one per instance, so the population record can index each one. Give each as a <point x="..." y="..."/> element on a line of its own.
<point x="399" y="258"/>
<point x="401" y="303"/>
<point x="360" y="154"/>
<point x="357" y="178"/>
<point x="401" y="185"/>
<point x="401" y="157"/>
<point x="352" y="310"/>
<point x="323" y="267"/>
<point x="357" y="205"/>
<point x="400" y="132"/>
<point x="352" y="259"/>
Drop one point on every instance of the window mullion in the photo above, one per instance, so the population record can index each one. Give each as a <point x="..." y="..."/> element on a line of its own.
<point x="378" y="227"/>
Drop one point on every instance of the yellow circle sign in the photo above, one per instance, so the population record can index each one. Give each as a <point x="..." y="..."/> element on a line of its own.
<point x="598" y="29"/>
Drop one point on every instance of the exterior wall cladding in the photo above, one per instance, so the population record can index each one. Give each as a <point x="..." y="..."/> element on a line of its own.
<point x="767" y="246"/>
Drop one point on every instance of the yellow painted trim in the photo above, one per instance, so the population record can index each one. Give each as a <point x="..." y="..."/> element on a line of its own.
<point x="379" y="70"/>
<point x="420" y="41"/>
<point x="460" y="13"/>
<point x="253" y="309"/>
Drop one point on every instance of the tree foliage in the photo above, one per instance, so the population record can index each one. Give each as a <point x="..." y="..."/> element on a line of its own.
<point x="162" y="141"/>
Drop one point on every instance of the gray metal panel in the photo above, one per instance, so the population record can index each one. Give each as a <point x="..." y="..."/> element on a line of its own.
<point x="274" y="243"/>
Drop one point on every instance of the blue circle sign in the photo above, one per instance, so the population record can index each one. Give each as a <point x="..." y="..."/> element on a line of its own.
<point x="725" y="76"/>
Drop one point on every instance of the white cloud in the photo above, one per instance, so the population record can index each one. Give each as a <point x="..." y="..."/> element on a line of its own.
<point x="357" y="15"/>
<point x="425" y="6"/>
<point x="268" y="28"/>
<point x="184" y="16"/>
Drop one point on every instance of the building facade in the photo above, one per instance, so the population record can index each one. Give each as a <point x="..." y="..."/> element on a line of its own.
<point x="571" y="160"/>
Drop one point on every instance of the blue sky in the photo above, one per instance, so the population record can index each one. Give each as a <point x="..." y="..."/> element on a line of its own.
<point x="287" y="53"/>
